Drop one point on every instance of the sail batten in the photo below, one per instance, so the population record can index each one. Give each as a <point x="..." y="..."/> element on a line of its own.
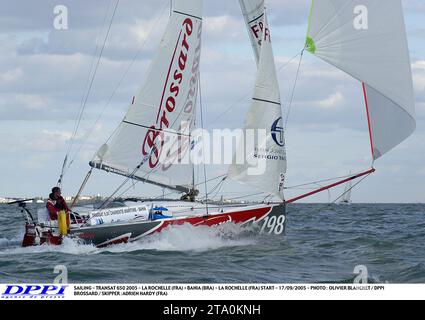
<point x="157" y="130"/>
<point x="187" y="14"/>
<point x="257" y="18"/>
<point x="267" y="101"/>
<point x="367" y="40"/>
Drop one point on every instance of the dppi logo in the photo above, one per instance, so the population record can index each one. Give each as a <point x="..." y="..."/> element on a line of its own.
<point x="278" y="133"/>
<point x="34" y="291"/>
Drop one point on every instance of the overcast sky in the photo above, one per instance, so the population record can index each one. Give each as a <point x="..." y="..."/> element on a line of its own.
<point x="43" y="75"/>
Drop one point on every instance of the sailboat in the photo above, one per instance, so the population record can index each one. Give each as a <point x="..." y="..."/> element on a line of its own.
<point x="346" y="196"/>
<point x="156" y="134"/>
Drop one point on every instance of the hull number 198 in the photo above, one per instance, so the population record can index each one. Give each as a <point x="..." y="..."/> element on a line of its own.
<point x="273" y="224"/>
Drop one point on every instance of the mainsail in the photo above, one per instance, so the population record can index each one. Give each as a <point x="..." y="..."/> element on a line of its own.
<point x="152" y="143"/>
<point x="264" y="166"/>
<point x="367" y="39"/>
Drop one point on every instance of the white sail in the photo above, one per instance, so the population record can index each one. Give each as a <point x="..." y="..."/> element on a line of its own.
<point x="264" y="165"/>
<point x="253" y="12"/>
<point x="164" y="108"/>
<point x="367" y="39"/>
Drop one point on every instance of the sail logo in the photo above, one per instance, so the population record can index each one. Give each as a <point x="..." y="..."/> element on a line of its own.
<point x="177" y="145"/>
<point x="278" y="132"/>
<point x="260" y="32"/>
<point x="154" y="139"/>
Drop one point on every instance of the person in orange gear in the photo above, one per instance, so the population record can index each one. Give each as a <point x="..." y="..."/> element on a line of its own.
<point x="56" y="203"/>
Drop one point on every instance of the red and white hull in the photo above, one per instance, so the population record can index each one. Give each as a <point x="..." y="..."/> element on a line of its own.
<point x="270" y="218"/>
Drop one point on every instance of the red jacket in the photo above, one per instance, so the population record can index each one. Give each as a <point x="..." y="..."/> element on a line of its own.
<point x="55" y="208"/>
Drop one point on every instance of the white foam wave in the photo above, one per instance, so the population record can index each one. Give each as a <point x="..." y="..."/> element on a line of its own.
<point x="68" y="246"/>
<point x="177" y="238"/>
<point x="190" y="238"/>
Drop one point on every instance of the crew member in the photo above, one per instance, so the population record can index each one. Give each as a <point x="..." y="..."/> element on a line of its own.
<point x="56" y="203"/>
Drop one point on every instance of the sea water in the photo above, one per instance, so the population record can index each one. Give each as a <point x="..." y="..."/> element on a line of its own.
<point x="322" y="244"/>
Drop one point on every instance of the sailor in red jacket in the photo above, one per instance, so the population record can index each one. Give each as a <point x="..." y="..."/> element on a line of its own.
<point x="56" y="203"/>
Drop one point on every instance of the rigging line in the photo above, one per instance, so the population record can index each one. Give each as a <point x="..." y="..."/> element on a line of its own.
<point x="246" y="196"/>
<point x="320" y="181"/>
<point x="94" y="75"/>
<point x="345" y="192"/>
<point x="293" y="91"/>
<point x="130" y="177"/>
<point x="71" y="141"/>
<point x="247" y="95"/>
<point x="329" y="191"/>
<point x="268" y="196"/>
<point x="217" y="187"/>
<point x="198" y="184"/>
<point x="330" y="186"/>
<point x="89" y="74"/>
<point x="136" y="56"/>
<point x="203" y="139"/>
<point x="355" y="185"/>
<point x="173" y="192"/>
<point x="126" y="190"/>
